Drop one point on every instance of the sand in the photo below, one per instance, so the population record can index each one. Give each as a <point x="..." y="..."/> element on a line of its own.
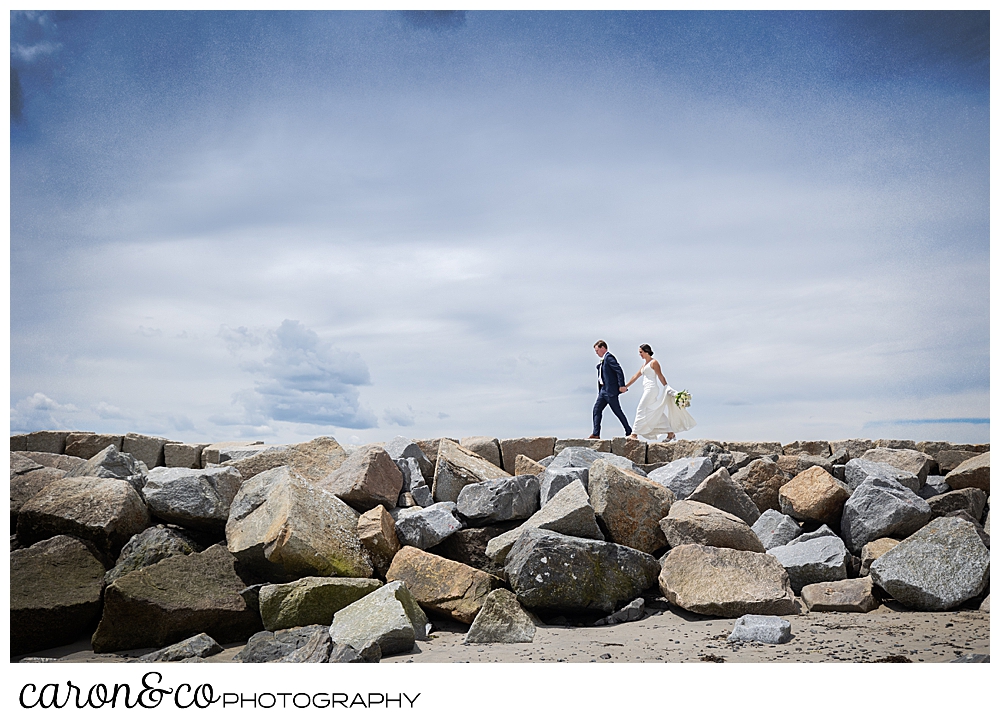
<point x="671" y="635"/>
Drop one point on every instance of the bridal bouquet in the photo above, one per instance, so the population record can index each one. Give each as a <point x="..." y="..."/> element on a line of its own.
<point x="683" y="399"/>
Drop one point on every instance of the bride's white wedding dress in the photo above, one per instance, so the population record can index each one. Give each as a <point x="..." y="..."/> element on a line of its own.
<point x="659" y="415"/>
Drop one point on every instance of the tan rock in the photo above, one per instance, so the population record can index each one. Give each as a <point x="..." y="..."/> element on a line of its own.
<point x="814" y="449"/>
<point x="526" y="465"/>
<point x="146" y="449"/>
<point x="973" y="472"/>
<point x="598" y="445"/>
<point x="57" y="461"/>
<point x="50" y="441"/>
<point x="430" y="449"/>
<point x="86" y="444"/>
<point x="854" y="447"/>
<point x="874" y="550"/>
<point x="178" y="454"/>
<point x="677" y="449"/>
<point x="908" y="460"/>
<point x="457" y="467"/>
<point x="726" y="582"/>
<point x="441" y="585"/>
<point x="896" y="443"/>
<point x="842" y="596"/>
<point x="629" y="506"/>
<point x="695" y="523"/>
<point x="535" y="448"/>
<point x="377" y="532"/>
<point x="486" y="447"/>
<point x="792" y="465"/>
<point x="755" y="449"/>
<point x="950" y="459"/>
<point x="366" y="479"/>
<point x="813" y="495"/>
<point x="761" y="480"/>
<point x="314" y="460"/>
<point x="632" y="449"/>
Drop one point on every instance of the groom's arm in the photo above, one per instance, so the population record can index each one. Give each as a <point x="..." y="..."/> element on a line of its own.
<point x="616" y="368"/>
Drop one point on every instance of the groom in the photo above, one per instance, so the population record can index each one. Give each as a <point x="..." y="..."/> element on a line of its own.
<point x="610" y="383"/>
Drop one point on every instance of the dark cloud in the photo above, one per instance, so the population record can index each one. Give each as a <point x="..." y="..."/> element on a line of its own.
<point x="434" y="19"/>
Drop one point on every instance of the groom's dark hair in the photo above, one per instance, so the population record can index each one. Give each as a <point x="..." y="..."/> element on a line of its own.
<point x="600" y="343"/>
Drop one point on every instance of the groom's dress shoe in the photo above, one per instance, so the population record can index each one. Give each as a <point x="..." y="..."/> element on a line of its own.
<point x="593" y="436"/>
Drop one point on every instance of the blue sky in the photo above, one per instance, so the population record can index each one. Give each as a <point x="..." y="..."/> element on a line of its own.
<point x="280" y="225"/>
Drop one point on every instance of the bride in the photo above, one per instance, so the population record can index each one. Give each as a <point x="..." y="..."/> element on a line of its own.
<point x="656" y="416"/>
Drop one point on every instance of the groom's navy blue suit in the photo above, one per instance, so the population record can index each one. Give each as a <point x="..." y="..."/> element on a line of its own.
<point x="610" y="379"/>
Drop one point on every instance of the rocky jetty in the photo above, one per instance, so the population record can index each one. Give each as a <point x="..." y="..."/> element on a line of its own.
<point x="315" y="553"/>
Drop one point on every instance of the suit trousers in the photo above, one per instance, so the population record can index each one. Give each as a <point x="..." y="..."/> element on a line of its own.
<point x="609" y="400"/>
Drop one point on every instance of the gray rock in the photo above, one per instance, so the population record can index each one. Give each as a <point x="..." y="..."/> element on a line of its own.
<point x="970" y="499"/>
<point x="368" y="478"/>
<point x="26" y="485"/>
<point x="821" y="559"/>
<point x="57" y="461"/>
<point x="719" y="490"/>
<point x="270" y="647"/>
<point x="316" y="649"/>
<point x="774" y="529"/>
<point x="424" y="527"/>
<point x="499" y="500"/>
<point x="858" y="470"/>
<point x="963" y="515"/>
<point x="112" y="464"/>
<point x="198" y="499"/>
<point x="403" y="448"/>
<point x="569" y="513"/>
<point x="950" y="459"/>
<point x="457" y="467"/>
<point x="310" y="600"/>
<point x="908" y="460"/>
<point x="422" y="496"/>
<point x="55" y="594"/>
<point x="554" y="479"/>
<point x="313" y="461"/>
<point x="146" y="449"/>
<point x="577" y="457"/>
<point x="937" y="568"/>
<point x="412" y="476"/>
<point x="881" y="508"/>
<point x="599" y="445"/>
<point x="19" y="464"/>
<point x="197" y="646"/>
<point x="501" y="620"/>
<point x="468" y="546"/>
<point x="549" y="570"/>
<point x="934" y="486"/>
<point x="768" y="629"/>
<point x="683" y="476"/>
<point x="389" y="616"/>
<point x="973" y="658"/>
<point x="761" y="479"/>
<point x="755" y="450"/>
<point x="628" y="614"/>
<point x="148" y="548"/>
<point x="821" y="531"/>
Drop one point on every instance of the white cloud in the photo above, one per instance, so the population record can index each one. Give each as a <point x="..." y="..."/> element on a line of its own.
<point x="40" y="412"/>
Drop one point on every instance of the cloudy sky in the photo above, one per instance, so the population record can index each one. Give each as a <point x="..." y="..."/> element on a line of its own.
<point x="281" y="225"/>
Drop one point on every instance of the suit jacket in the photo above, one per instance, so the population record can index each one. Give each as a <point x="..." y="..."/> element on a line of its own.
<point x="612" y="375"/>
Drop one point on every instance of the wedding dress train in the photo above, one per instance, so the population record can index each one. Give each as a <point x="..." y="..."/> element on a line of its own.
<point x="659" y="415"/>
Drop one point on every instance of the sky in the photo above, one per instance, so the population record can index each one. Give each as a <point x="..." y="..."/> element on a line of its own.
<point x="276" y="226"/>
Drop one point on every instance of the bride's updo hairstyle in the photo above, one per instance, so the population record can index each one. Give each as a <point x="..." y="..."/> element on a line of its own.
<point x="646" y="348"/>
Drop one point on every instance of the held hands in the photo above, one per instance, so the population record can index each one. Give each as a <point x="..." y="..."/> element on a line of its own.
<point x="622" y="389"/>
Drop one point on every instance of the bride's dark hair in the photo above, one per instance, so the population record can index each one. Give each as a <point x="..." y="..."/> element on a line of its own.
<point x="646" y="348"/>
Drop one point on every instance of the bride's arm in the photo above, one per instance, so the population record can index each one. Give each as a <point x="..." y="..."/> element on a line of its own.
<point x="634" y="377"/>
<point x="663" y="380"/>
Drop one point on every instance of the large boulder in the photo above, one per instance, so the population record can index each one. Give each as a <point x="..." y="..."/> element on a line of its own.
<point x="468" y="546"/>
<point x="486" y="447"/>
<point x="973" y="472"/>
<point x="551" y="480"/>
<point x="424" y="527"/>
<point x="174" y="599"/>
<point x="149" y="547"/>
<point x="630" y="448"/>
<point x="366" y="479"/>
<point x="400" y="448"/>
<point x="533" y="447"/>
<point x="569" y="513"/>
<point x="19" y="464"/>
<point x="628" y="506"/>
<point x="857" y="471"/>
<point x="314" y="460"/>
<point x="377" y="532"/>
<point x="195" y="498"/>
<point x="683" y="476"/>
<point x="180" y="454"/>
<point x="440" y="585"/>
<point x="55" y="594"/>
<point x="57" y="461"/>
<point x="950" y="459"/>
<point x="390" y="617"/>
<point x="553" y="571"/>
<point x="51" y="441"/>
<point x="881" y="508"/>
<point x="815" y="448"/>
<point x="501" y="620"/>
<point x="146" y="449"/>
<point x="855" y="595"/>
<point x="854" y="447"/>
<point x="499" y="500"/>
<point x="908" y="460"/>
<point x="970" y="499"/>
<point x="726" y="582"/>
<point x="282" y="528"/>
<point x="111" y="463"/>
<point x="719" y="490"/>
<point x="937" y="568"/>
<point x="820" y="559"/>
<point x="756" y="450"/>
<point x="677" y="449"/>
<point x="761" y="480"/>
<point x="598" y="445"/>
<point x="457" y="467"/>
<point x="774" y="529"/>
<point x="695" y="523"/>
<point x="27" y="484"/>
<point x="310" y="600"/>
<point x="101" y="510"/>
<point x="813" y="496"/>
<point x="86" y="444"/>
<point x="793" y="464"/>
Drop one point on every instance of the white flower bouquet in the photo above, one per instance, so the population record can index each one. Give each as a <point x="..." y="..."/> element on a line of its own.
<point x="683" y="399"/>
